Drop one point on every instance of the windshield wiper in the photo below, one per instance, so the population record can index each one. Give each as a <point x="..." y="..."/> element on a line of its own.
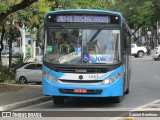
<point x="95" y="35"/>
<point x="70" y="34"/>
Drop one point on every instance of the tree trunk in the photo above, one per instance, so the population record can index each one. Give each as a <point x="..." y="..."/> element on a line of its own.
<point x="1" y="43"/>
<point x="10" y="51"/>
<point x="11" y="38"/>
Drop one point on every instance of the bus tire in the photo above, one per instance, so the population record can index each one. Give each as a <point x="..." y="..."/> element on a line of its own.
<point x="117" y="99"/>
<point x="128" y="82"/>
<point x="58" y="100"/>
<point x="127" y="91"/>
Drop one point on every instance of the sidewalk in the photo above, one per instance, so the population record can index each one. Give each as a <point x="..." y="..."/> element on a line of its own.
<point x="29" y="95"/>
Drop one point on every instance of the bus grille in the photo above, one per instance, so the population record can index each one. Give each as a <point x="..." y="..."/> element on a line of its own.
<point x="80" y="81"/>
<point x="80" y="70"/>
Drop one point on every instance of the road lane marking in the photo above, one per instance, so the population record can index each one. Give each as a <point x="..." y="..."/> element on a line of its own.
<point x="140" y="109"/>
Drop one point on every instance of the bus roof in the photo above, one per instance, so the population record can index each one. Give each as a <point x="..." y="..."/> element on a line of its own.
<point x="85" y="10"/>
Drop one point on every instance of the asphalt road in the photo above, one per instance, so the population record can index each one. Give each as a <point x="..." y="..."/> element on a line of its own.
<point x="144" y="88"/>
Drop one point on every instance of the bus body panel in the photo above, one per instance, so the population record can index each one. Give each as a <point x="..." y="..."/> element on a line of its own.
<point x="113" y="89"/>
<point x="84" y="10"/>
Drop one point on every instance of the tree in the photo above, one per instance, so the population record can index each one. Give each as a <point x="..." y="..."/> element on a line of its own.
<point x="8" y="10"/>
<point x="31" y="17"/>
<point x="1" y="43"/>
<point x="14" y="33"/>
<point x="93" y="4"/>
<point x="137" y="12"/>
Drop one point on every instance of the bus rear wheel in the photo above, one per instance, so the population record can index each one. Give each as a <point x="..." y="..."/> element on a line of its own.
<point x="57" y="100"/>
<point x="127" y="91"/>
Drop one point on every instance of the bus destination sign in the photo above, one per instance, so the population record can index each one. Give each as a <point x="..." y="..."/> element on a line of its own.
<point x="82" y="19"/>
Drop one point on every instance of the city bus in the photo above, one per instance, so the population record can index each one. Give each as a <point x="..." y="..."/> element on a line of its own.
<point x="86" y="53"/>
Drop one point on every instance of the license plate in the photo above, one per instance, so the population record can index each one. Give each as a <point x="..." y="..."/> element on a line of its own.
<point x="80" y="90"/>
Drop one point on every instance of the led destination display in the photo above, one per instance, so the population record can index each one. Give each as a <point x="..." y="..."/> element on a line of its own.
<point x="82" y="19"/>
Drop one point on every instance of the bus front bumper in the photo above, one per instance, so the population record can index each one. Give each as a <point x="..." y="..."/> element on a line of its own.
<point x="54" y="89"/>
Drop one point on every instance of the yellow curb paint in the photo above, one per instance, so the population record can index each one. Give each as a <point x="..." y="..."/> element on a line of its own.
<point x="129" y="118"/>
<point x="153" y="106"/>
<point x="141" y="110"/>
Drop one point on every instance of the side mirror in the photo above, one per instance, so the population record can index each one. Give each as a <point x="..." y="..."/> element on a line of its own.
<point x="40" y="36"/>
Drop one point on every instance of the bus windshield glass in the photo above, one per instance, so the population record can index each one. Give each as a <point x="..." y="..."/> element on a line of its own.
<point x="82" y="46"/>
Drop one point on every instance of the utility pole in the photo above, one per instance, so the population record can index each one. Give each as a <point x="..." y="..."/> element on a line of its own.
<point x="34" y="42"/>
<point x="23" y="42"/>
<point x="33" y="48"/>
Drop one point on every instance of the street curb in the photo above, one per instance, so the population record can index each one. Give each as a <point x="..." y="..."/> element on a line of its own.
<point x="24" y="103"/>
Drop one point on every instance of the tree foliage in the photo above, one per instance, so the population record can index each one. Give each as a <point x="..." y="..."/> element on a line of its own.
<point x="14" y="5"/>
<point x="3" y="7"/>
<point x="138" y="12"/>
<point x="31" y="13"/>
<point x="24" y="12"/>
<point x="83" y="4"/>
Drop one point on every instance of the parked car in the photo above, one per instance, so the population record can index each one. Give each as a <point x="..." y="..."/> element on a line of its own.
<point x="31" y="72"/>
<point x="13" y="70"/>
<point x="137" y="51"/>
<point x="156" y="53"/>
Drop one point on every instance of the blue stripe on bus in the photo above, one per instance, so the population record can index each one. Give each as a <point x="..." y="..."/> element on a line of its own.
<point x="58" y="75"/>
<point x="113" y="89"/>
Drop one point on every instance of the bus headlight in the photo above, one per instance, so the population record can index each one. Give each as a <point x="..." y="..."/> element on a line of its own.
<point x="49" y="77"/>
<point x="112" y="79"/>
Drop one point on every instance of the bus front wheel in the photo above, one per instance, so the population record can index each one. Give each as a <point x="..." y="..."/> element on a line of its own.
<point x="58" y="100"/>
<point x="117" y="99"/>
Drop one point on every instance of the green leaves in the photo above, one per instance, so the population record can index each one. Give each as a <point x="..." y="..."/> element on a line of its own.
<point x="5" y="74"/>
<point x="137" y="12"/>
<point x="20" y="59"/>
<point x="84" y="4"/>
<point x="3" y="7"/>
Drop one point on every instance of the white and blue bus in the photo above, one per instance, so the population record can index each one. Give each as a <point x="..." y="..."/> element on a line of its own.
<point x="86" y="54"/>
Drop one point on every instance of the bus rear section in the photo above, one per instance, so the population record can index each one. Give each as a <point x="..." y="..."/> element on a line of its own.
<point x="83" y="55"/>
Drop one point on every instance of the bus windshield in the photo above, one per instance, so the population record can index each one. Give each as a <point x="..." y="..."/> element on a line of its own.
<point x="82" y="46"/>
